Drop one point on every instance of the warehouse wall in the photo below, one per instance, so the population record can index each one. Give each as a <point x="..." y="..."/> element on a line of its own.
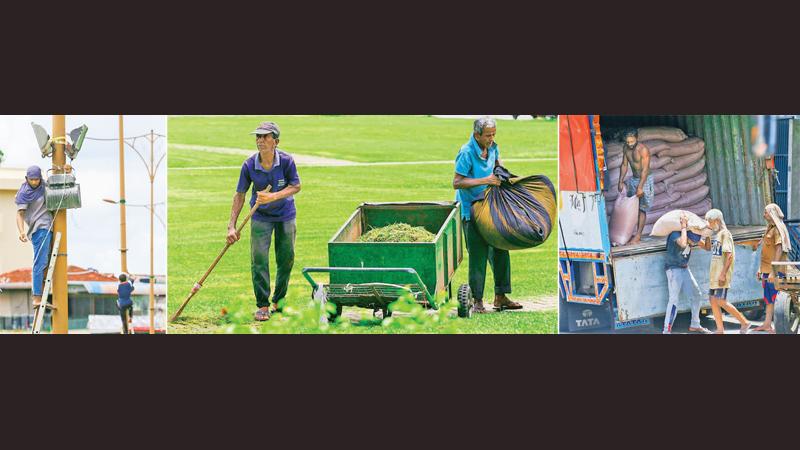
<point x="740" y="185"/>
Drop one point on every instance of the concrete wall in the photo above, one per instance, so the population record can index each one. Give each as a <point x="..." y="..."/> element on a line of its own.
<point x="794" y="172"/>
<point x="15" y="302"/>
<point x="13" y="253"/>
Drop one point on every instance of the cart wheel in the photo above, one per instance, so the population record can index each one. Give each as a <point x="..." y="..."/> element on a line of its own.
<point x="465" y="301"/>
<point x="332" y="316"/>
<point x="787" y="316"/>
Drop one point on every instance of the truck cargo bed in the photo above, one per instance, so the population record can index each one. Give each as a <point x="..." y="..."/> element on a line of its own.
<point x="656" y="244"/>
<point x="641" y="281"/>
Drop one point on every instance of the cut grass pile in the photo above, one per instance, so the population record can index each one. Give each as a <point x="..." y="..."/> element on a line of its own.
<point x="398" y="232"/>
<point x="200" y="205"/>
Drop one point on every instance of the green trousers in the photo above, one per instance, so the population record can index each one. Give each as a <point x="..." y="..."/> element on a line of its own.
<point x="260" y="242"/>
<point x="479" y="253"/>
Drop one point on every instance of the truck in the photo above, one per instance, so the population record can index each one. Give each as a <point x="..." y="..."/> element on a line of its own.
<point x="609" y="289"/>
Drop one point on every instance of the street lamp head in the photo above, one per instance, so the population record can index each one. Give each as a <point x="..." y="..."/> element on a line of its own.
<point x="42" y="140"/>
<point x="108" y="200"/>
<point x="76" y="136"/>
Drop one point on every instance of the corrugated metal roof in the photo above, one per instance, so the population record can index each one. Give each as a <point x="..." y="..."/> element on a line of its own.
<point x="740" y="185"/>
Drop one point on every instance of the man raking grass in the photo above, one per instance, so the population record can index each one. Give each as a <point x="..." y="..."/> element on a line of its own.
<point x="274" y="179"/>
<point x="276" y="215"/>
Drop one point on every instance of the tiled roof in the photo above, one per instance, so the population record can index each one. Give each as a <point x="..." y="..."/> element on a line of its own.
<point x="74" y="273"/>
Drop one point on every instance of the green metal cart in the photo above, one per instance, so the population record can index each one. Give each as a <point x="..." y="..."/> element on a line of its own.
<point x="375" y="274"/>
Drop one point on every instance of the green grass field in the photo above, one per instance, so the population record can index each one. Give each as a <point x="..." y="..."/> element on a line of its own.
<point x="357" y="138"/>
<point x="200" y="201"/>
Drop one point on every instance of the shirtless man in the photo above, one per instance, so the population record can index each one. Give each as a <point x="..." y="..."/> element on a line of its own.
<point x="641" y="184"/>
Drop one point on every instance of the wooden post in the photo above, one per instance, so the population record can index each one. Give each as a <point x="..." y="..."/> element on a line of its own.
<point x="60" y="299"/>
<point x="123" y="247"/>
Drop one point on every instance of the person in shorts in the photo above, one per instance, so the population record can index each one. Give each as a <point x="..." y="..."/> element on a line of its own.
<point x="776" y="245"/>
<point x="723" y="255"/>
<point x="641" y="184"/>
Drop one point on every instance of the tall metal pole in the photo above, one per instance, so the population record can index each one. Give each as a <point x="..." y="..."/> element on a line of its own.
<point x="152" y="275"/>
<point x="60" y="301"/>
<point x="123" y="247"/>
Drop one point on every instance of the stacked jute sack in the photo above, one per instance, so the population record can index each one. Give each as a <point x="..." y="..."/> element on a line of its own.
<point x="677" y="164"/>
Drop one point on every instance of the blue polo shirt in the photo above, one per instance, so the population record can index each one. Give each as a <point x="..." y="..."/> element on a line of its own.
<point x="470" y="164"/>
<point x="282" y="174"/>
<point x="124" y="291"/>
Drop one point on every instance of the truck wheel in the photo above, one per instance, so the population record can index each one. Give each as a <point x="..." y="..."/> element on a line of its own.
<point x="465" y="301"/>
<point x="786" y="314"/>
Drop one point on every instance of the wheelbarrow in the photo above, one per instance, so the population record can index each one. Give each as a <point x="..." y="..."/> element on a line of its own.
<point x="787" y="304"/>
<point x="374" y="275"/>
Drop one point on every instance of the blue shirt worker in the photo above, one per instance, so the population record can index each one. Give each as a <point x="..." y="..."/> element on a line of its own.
<point x="124" y="302"/>
<point x="274" y="169"/>
<point x="475" y="165"/>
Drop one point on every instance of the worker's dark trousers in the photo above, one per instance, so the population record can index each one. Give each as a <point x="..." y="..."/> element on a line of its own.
<point x="479" y="253"/>
<point x="125" y="313"/>
<point x="260" y="242"/>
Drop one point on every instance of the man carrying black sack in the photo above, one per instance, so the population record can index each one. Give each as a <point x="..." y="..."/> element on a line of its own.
<point x="475" y="166"/>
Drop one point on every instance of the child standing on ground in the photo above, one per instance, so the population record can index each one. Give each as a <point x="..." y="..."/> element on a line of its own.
<point x="124" y="301"/>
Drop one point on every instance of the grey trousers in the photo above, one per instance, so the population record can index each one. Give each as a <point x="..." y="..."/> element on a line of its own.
<point x="681" y="282"/>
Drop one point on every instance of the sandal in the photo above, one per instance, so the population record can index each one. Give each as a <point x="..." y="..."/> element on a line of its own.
<point x="262" y="316"/>
<point x="507" y="305"/>
<point x="700" y="330"/>
<point x="478" y="308"/>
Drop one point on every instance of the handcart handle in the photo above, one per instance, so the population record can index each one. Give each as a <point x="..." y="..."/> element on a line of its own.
<point x="309" y="270"/>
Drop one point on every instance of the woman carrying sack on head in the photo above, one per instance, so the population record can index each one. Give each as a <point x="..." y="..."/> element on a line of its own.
<point x="32" y="212"/>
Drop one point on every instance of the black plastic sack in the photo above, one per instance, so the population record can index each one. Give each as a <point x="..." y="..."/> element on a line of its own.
<point x="518" y="214"/>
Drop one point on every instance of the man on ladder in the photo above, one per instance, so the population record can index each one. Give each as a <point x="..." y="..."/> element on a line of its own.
<point x="32" y="212"/>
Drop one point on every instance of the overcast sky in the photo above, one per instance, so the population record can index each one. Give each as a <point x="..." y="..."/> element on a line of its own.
<point x="93" y="230"/>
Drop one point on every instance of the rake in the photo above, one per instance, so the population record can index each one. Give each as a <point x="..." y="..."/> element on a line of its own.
<point x="199" y="285"/>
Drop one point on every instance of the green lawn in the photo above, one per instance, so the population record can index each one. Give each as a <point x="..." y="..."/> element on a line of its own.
<point x="358" y="138"/>
<point x="199" y="207"/>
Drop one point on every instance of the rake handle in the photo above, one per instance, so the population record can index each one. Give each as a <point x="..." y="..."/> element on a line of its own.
<point x="199" y="284"/>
